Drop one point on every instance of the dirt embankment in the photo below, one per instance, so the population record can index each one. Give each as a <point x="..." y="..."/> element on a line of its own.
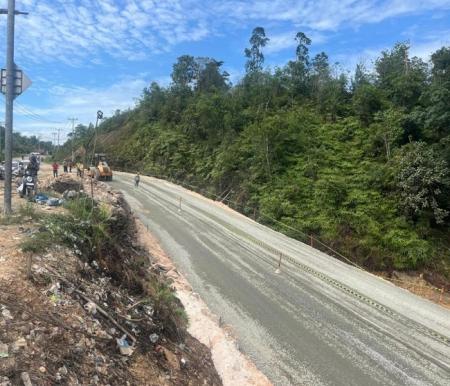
<point x="90" y="311"/>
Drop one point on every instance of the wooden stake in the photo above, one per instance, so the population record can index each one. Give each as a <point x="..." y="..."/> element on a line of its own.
<point x="441" y="295"/>
<point x="29" y="263"/>
<point x="279" y="264"/>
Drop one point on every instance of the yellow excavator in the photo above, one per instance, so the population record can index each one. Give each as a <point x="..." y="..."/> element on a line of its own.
<point x="100" y="169"/>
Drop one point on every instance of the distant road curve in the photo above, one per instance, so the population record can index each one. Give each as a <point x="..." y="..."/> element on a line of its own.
<point x="317" y="322"/>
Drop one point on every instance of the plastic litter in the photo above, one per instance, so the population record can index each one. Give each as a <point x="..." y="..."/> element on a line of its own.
<point x="124" y="347"/>
<point x="41" y="198"/>
<point x="6" y="314"/>
<point x="91" y="308"/>
<point x="26" y="379"/>
<point x="4" y="350"/>
<point x="53" y="202"/>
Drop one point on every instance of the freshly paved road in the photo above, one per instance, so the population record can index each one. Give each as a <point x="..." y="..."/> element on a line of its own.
<point x="318" y="322"/>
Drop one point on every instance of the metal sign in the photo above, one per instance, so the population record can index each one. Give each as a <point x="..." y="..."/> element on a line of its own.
<point x="21" y="81"/>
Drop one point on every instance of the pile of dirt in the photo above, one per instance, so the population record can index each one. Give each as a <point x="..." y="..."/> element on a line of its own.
<point x="60" y="184"/>
<point x="92" y="320"/>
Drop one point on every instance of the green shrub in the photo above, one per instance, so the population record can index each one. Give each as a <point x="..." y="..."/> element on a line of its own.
<point x="38" y="243"/>
<point x="409" y="251"/>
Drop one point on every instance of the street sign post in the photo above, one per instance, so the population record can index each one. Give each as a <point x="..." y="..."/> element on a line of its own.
<point x="21" y="81"/>
<point x="14" y="85"/>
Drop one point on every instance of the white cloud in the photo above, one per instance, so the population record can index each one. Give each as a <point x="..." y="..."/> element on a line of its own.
<point x="423" y="48"/>
<point x="286" y="40"/>
<point x="327" y="14"/>
<point x="73" y="31"/>
<point x="80" y="102"/>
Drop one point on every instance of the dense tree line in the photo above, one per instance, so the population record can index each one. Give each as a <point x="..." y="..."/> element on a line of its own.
<point x="360" y="161"/>
<point x="23" y="145"/>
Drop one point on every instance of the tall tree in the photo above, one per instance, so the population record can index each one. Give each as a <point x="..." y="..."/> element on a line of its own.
<point x="184" y="71"/>
<point x="402" y="78"/>
<point x="441" y="64"/>
<point x="298" y="70"/>
<point x="321" y="65"/>
<point x="434" y="114"/>
<point x="210" y="76"/>
<point x="389" y="127"/>
<point x="361" y="77"/>
<point x="302" y="50"/>
<point x="254" y="54"/>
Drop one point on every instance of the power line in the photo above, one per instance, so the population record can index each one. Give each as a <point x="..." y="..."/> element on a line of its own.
<point x="36" y="116"/>
<point x="32" y="115"/>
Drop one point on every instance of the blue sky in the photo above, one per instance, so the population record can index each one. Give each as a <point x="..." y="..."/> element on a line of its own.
<point x="86" y="55"/>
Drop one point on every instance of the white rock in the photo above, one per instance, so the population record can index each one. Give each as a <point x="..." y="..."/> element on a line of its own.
<point x="26" y="379"/>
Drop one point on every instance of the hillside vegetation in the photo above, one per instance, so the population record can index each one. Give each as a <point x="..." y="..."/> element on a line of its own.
<point x="359" y="161"/>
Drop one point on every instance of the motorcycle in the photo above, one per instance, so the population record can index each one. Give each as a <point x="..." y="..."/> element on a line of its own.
<point x="28" y="187"/>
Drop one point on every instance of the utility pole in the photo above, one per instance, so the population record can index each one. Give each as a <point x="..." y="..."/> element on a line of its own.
<point x="59" y="132"/>
<point x="9" y="105"/>
<point x="73" y="120"/>
<point x="2" y="130"/>
<point x="54" y="143"/>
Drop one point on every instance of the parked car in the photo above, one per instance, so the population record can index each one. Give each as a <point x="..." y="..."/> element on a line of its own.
<point x="18" y="169"/>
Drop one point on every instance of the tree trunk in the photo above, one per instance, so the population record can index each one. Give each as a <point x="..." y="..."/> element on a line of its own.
<point x="387" y="146"/>
<point x="268" y="158"/>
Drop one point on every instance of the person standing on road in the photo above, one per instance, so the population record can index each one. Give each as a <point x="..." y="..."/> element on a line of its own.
<point x="79" y="166"/>
<point x="55" y="168"/>
<point x="65" y="166"/>
<point x="137" y="178"/>
<point x="70" y="166"/>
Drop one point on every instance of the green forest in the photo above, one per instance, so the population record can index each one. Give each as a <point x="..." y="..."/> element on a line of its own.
<point x="359" y="160"/>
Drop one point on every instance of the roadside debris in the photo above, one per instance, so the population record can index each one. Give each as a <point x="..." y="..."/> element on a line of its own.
<point x="6" y="313"/>
<point x="4" y="350"/>
<point x="154" y="338"/>
<point x="61" y="184"/>
<point x="124" y="347"/>
<point x="26" y="379"/>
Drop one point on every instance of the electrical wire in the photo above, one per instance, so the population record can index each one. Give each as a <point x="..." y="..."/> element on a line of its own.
<point x="35" y="115"/>
<point x="27" y="113"/>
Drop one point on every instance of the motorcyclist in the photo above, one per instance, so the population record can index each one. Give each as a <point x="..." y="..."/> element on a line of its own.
<point x="33" y="165"/>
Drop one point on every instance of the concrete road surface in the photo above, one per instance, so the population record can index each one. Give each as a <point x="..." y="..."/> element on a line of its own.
<point x="317" y="322"/>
